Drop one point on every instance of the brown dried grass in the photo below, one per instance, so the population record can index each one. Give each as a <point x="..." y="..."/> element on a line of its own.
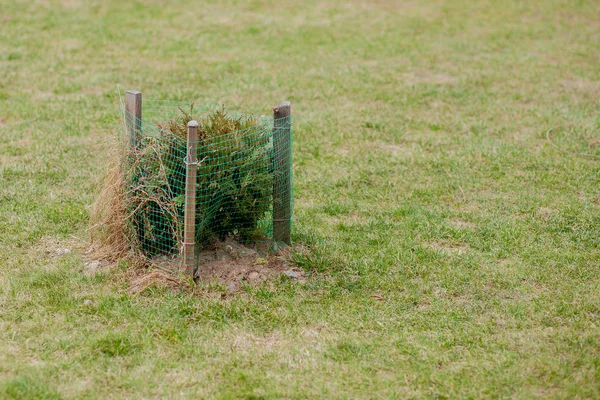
<point x="108" y="226"/>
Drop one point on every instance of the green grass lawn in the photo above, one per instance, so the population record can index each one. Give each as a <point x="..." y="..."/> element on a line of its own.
<point x="454" y="249"/>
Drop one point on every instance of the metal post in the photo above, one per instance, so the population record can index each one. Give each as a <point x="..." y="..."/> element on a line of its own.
<point x="190" y="198"/>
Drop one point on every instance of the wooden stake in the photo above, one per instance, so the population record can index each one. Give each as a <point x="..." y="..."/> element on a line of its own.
<point x="190" y="198"/>
<point x="133" y="116"/>
<point x="282" y="185"/>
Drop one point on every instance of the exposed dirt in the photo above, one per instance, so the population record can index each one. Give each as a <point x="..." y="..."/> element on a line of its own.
<point x="460" y="224"/>
<point x="449" y="248"/>
<point x="228" y="263"/>
<point x="233" y="263"/>
<point x="54" y="248"/>
<point x="545" y="213"/>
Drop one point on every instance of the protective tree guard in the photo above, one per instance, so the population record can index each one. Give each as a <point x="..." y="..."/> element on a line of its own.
<point x="196" y="177"/>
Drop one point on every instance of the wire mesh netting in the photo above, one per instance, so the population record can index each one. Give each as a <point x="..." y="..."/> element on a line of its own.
<point x="243" y="173"/>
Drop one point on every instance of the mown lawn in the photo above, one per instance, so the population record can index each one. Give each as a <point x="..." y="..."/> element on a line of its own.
<point x="454" y="234"/>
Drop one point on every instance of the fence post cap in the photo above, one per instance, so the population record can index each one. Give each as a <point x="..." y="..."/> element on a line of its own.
<point x="192" y="124"/>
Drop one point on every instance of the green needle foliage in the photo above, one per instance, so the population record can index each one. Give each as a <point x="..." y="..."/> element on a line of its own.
<point x="234" y="181"/>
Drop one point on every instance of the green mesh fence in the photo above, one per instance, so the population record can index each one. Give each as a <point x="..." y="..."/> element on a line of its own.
<point x="243" y="182"/>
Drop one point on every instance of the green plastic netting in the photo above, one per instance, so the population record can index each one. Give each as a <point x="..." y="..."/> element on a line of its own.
<point x="243" y="176"/>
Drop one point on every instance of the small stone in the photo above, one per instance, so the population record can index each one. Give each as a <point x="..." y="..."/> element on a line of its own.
<point x="231" y="287"/>
<point x="87" y="302"/>
<point x="253" y="276"/>
<point x="94" y="265"/>
<point x="62" y="252"/>
<point x="292" y="274"/>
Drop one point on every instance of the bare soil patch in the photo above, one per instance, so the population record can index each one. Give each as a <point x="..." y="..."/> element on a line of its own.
<point x="449" y="248"/>
<point x="545" y="213"/>
<point x="461" y="224"/>
<point x="229" y="263"/>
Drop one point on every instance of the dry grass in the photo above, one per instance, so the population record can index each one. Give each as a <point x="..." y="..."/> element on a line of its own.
<point x="109" y="230"/>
